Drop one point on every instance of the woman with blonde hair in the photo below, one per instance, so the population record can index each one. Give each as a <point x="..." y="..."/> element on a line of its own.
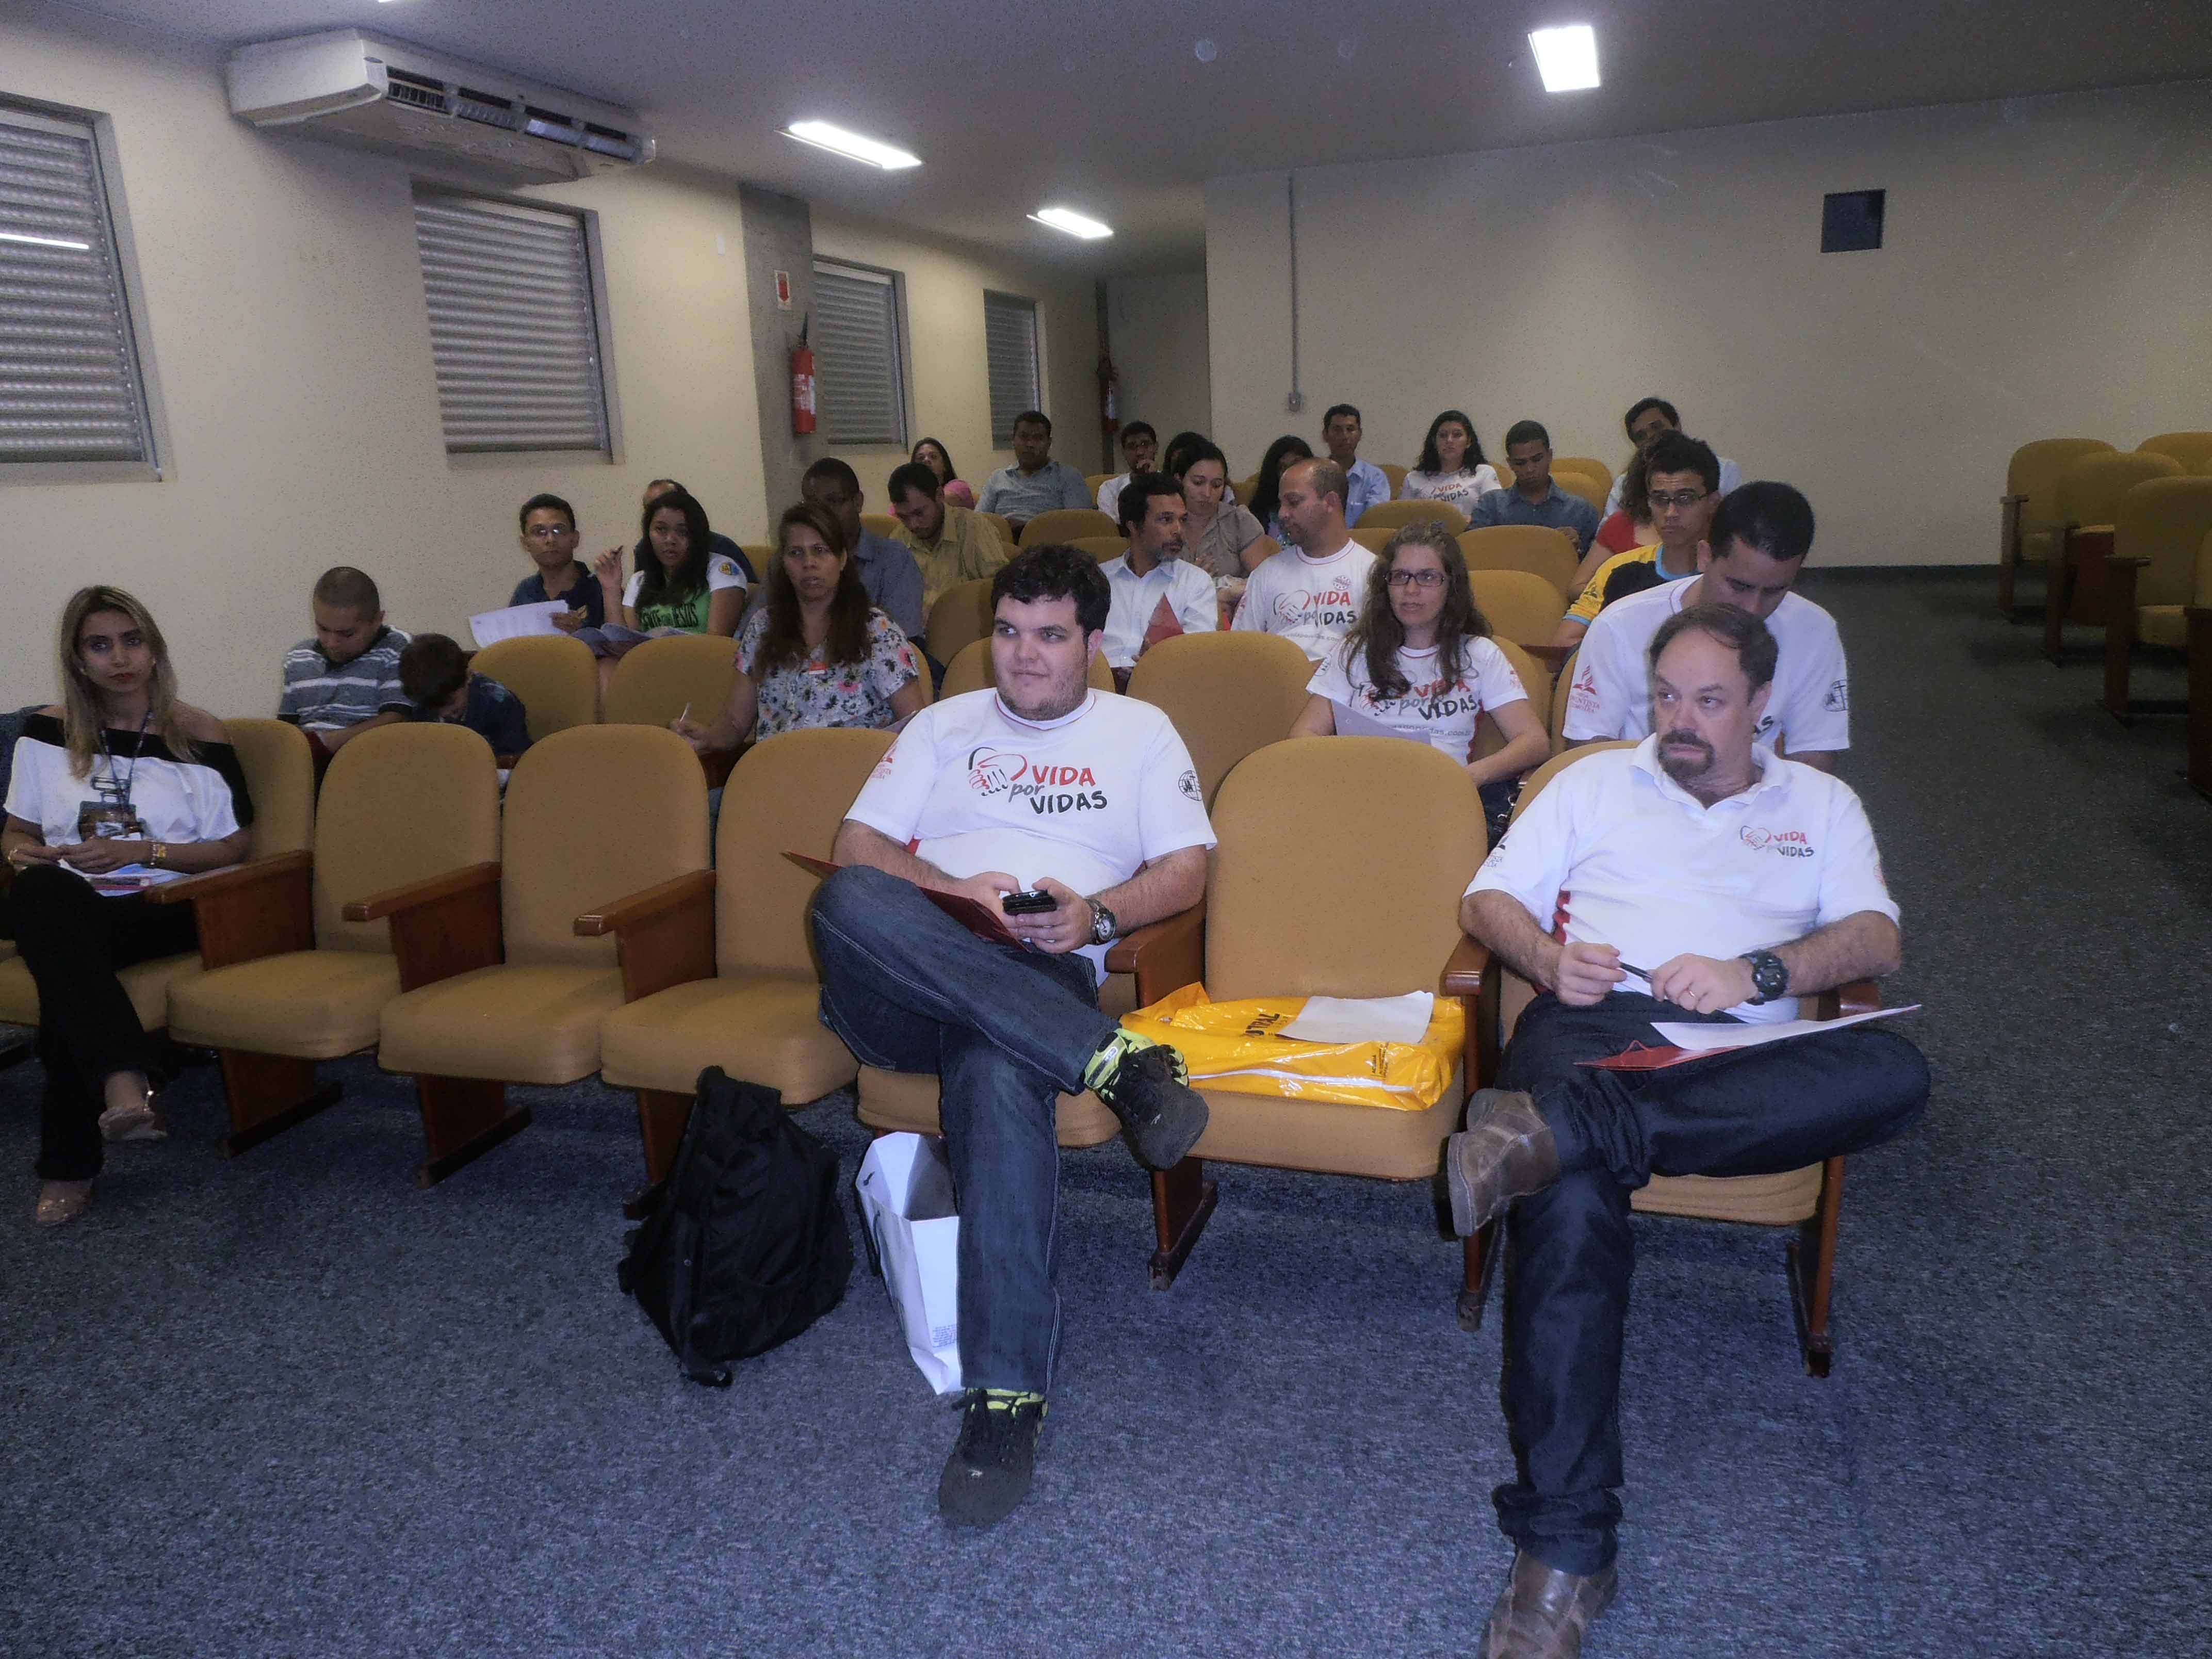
<point x="117" y="788"/>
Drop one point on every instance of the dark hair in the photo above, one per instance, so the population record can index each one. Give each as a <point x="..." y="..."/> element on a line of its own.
<point x="1056" y="571"/>
<point x="545" y="504"/>
<point x="1379" y="636"/>
<point x="1327" y="477"/>
<point x="661" y="586"/>
<point x="830" y="468"/>
<point x="1267" y="487"/>
<point x="1034" y="417"/>
<point x="1135" y="427"/>
<point x="1678" y="451"/>
<point x="349" y="589"/>
<point x="1184" y="444"/>
<point x="1636" y="488"/>
<point x="950" y="470"/>
<point x="1432" y="462"/>
<point x="1335" y="409"/>
<point x="431" y="669"/>
<point x="1181" y="460"/>
<point x="1640" y="406"/>
<point x="783" y="638"/>
<point x="1751" y="639"/>
<point x="915" y="478"/>
<point x="1527" y="431"/>
<point x="1772" y="518"/>
<point x="1137" y="497"/>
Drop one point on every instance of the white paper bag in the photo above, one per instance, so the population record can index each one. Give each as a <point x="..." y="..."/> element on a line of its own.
<point x="906" y="1199"/>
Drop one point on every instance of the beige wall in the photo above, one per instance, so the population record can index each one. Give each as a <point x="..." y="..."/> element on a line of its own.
<point x="1156" y="327"/>
<point x="2045" y="273"/>
<point x="949" y="394"/>
<point x="289" y="331"/>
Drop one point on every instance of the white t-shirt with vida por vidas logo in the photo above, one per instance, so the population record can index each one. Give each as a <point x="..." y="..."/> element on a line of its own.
<point x="1312" y="603"/>
<point x="1088" y="799"/>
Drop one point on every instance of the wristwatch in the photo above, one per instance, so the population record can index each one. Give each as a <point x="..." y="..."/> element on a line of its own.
<point x="1102" y="925"/>
<point x="1770" y="978"/>
<point x="159" y="855"/>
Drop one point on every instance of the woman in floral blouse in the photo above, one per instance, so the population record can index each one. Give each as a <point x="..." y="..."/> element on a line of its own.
<point x="814" y="652"/>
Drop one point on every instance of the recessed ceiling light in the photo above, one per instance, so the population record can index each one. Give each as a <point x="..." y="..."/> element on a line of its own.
<point x="1072" y="223"/>
<point x="1566" y="57"/>
<point x="45" y="241"/>
<point x="822" y="135"/>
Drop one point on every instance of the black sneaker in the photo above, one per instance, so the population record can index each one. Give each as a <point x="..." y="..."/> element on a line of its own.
<point x="988" y="1475"/>
<point x="1148" y="1087"/>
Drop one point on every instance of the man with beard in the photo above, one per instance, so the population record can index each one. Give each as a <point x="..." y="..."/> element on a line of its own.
<point x="1154" y="588"/>
<point x="1745" y="882"/>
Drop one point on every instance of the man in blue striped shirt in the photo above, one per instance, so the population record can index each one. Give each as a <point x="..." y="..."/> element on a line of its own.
<point x="346" y="679"/>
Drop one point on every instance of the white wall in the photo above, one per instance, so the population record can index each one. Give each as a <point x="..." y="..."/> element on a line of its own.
<point x="2045" y="272"/>
<point x="289" y="331"/>
<point x="1157" y="328"/>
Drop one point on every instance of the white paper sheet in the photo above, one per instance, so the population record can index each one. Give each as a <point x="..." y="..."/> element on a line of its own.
<point x="1364" y="1020"/>
<point x="1703" y="1038"/>
<point x="1352" y="723"/>
<point x="515" y="622"/>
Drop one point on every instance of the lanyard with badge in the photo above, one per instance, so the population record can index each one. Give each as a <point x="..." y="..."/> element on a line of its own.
<point x="112" y="816"/>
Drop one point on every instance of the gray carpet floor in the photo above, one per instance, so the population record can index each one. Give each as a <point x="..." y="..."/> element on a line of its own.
<point x="287" y="1404"/>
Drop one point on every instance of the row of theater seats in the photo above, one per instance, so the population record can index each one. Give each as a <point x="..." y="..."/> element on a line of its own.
<point x="2125" y="539"/>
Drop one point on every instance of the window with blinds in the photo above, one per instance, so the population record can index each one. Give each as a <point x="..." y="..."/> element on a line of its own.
<point x="859" y="386"/>
<point x="70" y="388"/>
<point x="513" y="325"/>
<point x="1009" y="342"/>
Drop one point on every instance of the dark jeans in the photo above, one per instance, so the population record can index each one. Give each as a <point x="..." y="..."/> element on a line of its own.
<point x="1007" y="1031"/>
<point x="1757" y="1111"/>
<point x="73" y="941"/>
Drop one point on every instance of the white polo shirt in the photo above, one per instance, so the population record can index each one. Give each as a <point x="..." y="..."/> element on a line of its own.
<point x="1310" y="602"/>
<point x="1087" y="800"/>
<point x="1614" y="852"/>
<point x="1184" y="588"/>
<point x="1809" y="708"/>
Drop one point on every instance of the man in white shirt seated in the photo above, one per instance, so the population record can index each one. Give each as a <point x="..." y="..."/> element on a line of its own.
<point x="1141" y="447"/>
<point x="1696" y="877"/>
<point x="1044" y="786"/>
<point x="1311" y="592"/>
<point x="1154" y="586"/>
<point x="1754" y="555"/>
<point x="1646" y="419"/>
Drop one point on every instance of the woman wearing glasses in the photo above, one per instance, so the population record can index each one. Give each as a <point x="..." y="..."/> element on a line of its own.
<point x="1420" y="664"/>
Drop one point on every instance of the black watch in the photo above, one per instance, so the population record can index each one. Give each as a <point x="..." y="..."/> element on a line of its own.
<point x="1102" y="925"/>
<point x="1770" y="976"/>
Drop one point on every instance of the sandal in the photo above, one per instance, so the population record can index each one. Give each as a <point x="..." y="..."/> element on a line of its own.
<point x="61" y="1201"/>
<point x="141" y="1120"/>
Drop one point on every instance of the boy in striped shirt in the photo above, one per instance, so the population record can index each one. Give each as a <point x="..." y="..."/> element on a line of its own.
<point x="346" y="679"/>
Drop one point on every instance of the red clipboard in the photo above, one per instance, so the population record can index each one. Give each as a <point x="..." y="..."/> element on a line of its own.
<point x="977" y="919"/>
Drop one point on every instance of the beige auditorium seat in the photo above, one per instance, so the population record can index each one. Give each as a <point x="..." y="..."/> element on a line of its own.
<point x="2028" y="526"/>
<point x="1226" y="694"/>
<point x="2155" y="572"/>
<point x="1530" y="547"/>
<point x="1395" y="515"/>
<point x="961" y="616"/>
<point x="1104" y="549"/>
<point x="1065" y="524"/>
<point x="592" y="814"/>
<point x="1373" y="540"/>
<point x="1003" y="525"/>
<point x="1094" y="481"/>
<point x="1396" y="475"/>
<point x="719" y="970"/>
<point x="1563" y="691"/>
<point x="1535" y="679"/>
<point x="882" y="524"/>
<point x="1285" y="818"/>
<point x="1519" y="606"/>
<point x="970" y="671"/>
<point x="1588" y="465"/>
<point x="2192" y="449"/>
<point x="653" y="682"/>
<point x="2089" y="491"/>
<point x="280" y="777"/>
<point x="557" y="678"/>
<point x="1584" y="484"/>
<point x="289" y="981"/>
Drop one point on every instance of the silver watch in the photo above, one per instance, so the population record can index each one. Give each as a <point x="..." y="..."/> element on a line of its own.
<point x="1103" y="927"/>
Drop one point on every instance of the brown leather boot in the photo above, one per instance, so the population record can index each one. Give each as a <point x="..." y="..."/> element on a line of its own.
<point x="1505" y="1152"/>
<point x="1542" y="1612"/>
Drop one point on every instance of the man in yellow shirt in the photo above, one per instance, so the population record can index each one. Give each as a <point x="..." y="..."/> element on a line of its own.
<point x="1685" y="479"/>
<point x="950" y="543"/>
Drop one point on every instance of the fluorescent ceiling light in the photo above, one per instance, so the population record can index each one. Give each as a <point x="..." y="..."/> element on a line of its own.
<point x="1071" y="222"/>
<point x="822" y="135"/>
<point x="46" y="241"/>
<point x="1566" y="57"/>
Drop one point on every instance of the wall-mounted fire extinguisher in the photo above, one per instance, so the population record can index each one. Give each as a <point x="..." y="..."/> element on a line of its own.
<point x="802" y="386"/>
<point x="1109" y="396"/>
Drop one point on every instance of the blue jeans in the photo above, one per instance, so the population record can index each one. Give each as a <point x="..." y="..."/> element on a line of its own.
<point x="1757" y="1111"/>
<point x="1007" y="1031"/>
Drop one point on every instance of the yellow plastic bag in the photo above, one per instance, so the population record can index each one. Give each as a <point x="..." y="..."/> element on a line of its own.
<point x="1232" y="1046"/>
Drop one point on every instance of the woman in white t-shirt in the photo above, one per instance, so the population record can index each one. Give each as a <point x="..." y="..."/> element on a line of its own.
<point x="1451" y="468"/>
<point x="679" y="583"/>
<point x="1420" y="663"/>
<point x="118" y="787"/>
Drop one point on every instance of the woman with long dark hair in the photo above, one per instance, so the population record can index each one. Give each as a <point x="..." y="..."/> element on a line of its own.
<point x="1218" y="536"/>
<point x="939" y="459"/>
<point x="1451" y="468"/>
<point x="1267" y="488"/>
<point x="117" y="788"/>
<point x="679" y="581"/>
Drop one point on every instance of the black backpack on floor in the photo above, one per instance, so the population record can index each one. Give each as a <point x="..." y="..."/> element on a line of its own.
<point x="743" y="1244"/>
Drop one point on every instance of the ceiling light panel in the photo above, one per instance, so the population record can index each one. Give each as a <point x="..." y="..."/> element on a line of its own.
<point x="851" y="145"/>
<point x="1566" y="57"/>
<point x="1066" y="220"/>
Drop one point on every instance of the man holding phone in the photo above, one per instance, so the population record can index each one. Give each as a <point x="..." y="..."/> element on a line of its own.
<point x="1085" y="807"/>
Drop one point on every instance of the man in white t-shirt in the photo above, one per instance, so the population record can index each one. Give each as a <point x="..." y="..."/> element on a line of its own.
<point x="1152" y="584"/>
<point x="1698" y="879"/>
<point x="1040" y="787"/>
<point x="1312" y="592"/>
<point x="1756" y="551"/>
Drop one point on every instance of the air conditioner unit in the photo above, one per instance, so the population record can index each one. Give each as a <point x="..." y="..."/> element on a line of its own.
<point x="377" y="94"/>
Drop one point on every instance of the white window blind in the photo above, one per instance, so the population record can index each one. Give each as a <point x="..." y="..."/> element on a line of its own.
<point x="1009" y="342"/>
<point x="859" y="387"/>
<point x="70" y="384"/>
<point x="513" y="326"/>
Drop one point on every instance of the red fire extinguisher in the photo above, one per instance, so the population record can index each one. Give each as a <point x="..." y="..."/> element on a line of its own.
<point x="1110" y="396"/>
<point x="802" y="386"/>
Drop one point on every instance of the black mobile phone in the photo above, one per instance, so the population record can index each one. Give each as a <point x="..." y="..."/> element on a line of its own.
<point x="1029" y="903"/>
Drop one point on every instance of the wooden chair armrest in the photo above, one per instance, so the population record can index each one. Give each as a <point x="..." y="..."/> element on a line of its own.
<point x="2011" y="501"/>
<point x="1165" y="955"/>
<point x="235" y="878"/>
<point x="451" y="885"/>
<point x="265" y="908"/>
<point x="1465" y="971"/>
<point x="1860" y="996"/>
<point x="689" y="888"/>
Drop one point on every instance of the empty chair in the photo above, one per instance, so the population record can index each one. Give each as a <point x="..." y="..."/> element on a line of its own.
<point x="1226" y="695"/>
<point x="557" y="678"/>
<point x="2089" y="491"/>
<point x="2192" y="449"/>
<point x="1392" y="515"/>
<point x="1104" y="549"/>
<point x="1589" y="465"/>
<point x="961" y="616"/>
<point x="1530" y="547"/>
<point x="2027" y="527"/>
<point x="970" y="671"/>
<point x="1064" y="524"/>
<point x="1521" y="607"/>
<point x="654" y="682"/>
<point x="1584" y="484"/>
<point x="2154" y="573"/>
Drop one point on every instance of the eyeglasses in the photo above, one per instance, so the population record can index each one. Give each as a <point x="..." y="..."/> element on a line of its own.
<point x="1417" y="578"/>
<point x="1685" y="499"/>
<point x="546" y="533"/>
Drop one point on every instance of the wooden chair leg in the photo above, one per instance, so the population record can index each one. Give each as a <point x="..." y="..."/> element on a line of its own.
<point x="267" y="1094"/>
<point x="2007" y="557"/>
<point x="1479" y="1260"/>
<point x="2200" y="698"/>
<point x="1813" y="1271"/>
<point x="2058" y="599"/>
<point x="462" y="1118"/>
<point x="2120" y="576"/>
<point x="661" y="1116"/>
<point x="1182" y="1203"/>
